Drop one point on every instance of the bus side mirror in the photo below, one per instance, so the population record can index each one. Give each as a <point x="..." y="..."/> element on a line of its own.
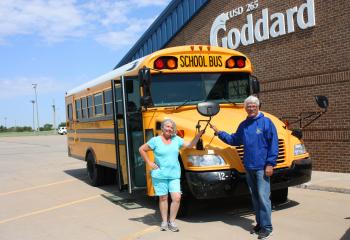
<point x="145" y="76"/>
<point x="255" y="85"/>
<point x="208" y="109"/>
<point x="322" y="101"/>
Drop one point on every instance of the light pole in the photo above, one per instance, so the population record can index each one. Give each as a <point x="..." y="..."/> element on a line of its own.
<point x="37" y="109"/>
<point x="5" y="121"/>
<point x="54" y="113"/>
<point x="33" y="102"/>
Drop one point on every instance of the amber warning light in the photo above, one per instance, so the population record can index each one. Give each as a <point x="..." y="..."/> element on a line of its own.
<point x="235" y="62"/>
<point x="165" y="63"/>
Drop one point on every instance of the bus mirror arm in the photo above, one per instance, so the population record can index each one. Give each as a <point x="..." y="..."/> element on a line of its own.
<point x="199" y="145"/>
<point x="207" y="109"/>
<point x="145" y="76"/>
<point x="310" y="117"/>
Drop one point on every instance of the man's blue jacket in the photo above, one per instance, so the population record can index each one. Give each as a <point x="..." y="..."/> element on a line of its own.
<point x="259" y="137"/>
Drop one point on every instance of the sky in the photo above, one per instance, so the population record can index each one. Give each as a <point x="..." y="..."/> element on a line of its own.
<point x="60" y="44"/>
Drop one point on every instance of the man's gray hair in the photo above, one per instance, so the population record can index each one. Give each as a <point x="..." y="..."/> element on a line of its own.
<point x="165" y="121"/>
<point x="252" y="99"/>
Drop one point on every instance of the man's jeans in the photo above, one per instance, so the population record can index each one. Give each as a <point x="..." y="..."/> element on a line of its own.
<point x="259" y="187"/>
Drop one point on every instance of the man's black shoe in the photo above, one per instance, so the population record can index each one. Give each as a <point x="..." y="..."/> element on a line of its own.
<point x="255" y="229"/>
<point x="264" y="234"/>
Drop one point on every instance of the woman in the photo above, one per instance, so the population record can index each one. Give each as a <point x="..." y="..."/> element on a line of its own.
<point x="166" y="170"/>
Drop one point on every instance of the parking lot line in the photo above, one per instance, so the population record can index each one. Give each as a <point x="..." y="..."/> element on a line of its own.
<point x="36" y="187"/>
<point x="139" y="234"/>
<point x="48" y="209"/>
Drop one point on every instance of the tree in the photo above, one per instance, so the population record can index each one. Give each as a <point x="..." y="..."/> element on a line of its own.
<point x="2" y="128"/>
<point x="62" y="124"/>
<point x="46" y="127"/>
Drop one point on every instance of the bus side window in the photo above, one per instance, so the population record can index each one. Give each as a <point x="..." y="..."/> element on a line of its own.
<point x="78" y="108"/>
<point x="107" y="96"/>
<point x="69" y="112"/>
<point x="98" y="104"/>
<point x="119" y="102"/>
<point x="90" y="107"/>
<point x="84" y="107"/>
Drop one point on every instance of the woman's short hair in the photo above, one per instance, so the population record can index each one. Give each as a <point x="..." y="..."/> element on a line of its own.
<point x="251" y="99"/>
<point x="165" y="121"/>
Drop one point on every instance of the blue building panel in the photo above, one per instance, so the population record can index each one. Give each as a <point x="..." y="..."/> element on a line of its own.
<point x="176" y="15"/>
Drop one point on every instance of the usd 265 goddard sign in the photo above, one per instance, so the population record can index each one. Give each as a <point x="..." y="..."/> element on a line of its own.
<point x="261" y="29"/>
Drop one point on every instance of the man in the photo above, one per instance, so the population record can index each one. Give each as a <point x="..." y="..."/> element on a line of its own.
<point x="258" y="135"/>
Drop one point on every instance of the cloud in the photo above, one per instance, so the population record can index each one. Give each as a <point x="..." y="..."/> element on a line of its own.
<point x="125" y="37"/>
<point x="51" y="20"/>
<point x="23" y="86"/>
<point x="55" y="21"/>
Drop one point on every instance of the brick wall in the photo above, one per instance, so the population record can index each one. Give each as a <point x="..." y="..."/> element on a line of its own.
<point x="293" y="68"/>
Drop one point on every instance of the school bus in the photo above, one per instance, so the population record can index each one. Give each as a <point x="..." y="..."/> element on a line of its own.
<point x="109" y="117"/>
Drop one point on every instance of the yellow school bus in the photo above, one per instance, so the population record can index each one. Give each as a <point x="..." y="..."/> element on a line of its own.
<point x="110" y="117"/>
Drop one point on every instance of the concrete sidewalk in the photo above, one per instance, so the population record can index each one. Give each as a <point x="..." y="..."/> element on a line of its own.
<point x="328" y="181"/>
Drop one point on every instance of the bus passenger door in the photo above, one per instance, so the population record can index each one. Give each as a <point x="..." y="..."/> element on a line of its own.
<point x="131" y="167"/>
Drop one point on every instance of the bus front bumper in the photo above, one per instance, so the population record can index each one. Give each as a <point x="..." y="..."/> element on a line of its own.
<point x="229" y="183"/>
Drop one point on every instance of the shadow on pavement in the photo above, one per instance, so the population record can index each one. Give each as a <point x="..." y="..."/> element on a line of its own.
<point x="235" y="212"/>
<point x="79" y="173"/>
<point x="346" y="236"/>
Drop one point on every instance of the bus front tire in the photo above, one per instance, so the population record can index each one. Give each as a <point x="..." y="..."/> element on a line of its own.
<point x="94" y="171"/>
<point x="279" y="195"/>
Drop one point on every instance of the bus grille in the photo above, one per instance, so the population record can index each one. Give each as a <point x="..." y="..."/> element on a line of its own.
<point x="281" y="153"/>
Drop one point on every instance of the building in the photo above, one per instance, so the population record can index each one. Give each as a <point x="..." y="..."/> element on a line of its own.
<point x="300" y="49"/>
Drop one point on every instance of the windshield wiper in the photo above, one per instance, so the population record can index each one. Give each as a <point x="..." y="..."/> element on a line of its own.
<point x="183" y="104"/>
<point x="227" y="100"/>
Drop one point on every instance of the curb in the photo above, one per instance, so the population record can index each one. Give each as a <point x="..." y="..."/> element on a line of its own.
<point x="323" y="188"/>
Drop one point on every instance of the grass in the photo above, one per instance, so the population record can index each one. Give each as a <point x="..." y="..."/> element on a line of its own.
<point x="20" y="134"/>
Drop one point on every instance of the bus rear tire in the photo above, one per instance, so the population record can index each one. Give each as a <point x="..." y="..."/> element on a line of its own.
<point x="279" y="195"/>
<point x="94" y="171"/>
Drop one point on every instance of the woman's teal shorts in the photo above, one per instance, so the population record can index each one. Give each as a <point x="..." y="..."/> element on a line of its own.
<point x="164" y="186"/>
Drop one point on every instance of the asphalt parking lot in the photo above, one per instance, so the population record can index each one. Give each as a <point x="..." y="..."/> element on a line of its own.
<point x="44" y="195"/>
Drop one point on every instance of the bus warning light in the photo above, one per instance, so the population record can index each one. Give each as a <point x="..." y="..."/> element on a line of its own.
<point x="241" y="62"/>
<point x="235" y="62"/>
<point x="230" y="63"/>
<point x="171" y="63"/>
<point x="165" y="63"/>
<point x="159" y="63"/>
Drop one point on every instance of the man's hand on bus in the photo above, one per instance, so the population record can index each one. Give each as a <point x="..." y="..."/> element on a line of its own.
<point x="268" y="170"/>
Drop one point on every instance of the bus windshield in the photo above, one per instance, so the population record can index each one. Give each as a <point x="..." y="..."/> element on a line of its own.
<point x="178" y="89"/>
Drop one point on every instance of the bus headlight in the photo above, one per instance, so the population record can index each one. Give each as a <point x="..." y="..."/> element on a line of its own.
<point x="205" y="160"/>
<point x="299" y="149"/>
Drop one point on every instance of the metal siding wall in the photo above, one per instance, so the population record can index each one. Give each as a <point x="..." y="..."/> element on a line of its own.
<point x="169" y="23"/>
<point x="180" y="15"/>
<point x="185" y="7"/>
<point x="159" y="38"/>
<point x="150" y="45"/>
<point x="164" y="33"/>
<point x="154" y="41"/>
<point x="192" y="7"/>
<point x="169" y="28"/>
<point x="174" y="21"/>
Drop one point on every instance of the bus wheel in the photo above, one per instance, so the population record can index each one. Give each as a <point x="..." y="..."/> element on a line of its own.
<point x="94" y="171"/>
<point x="183" y="210"/>
<point x="279" y="195"/>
